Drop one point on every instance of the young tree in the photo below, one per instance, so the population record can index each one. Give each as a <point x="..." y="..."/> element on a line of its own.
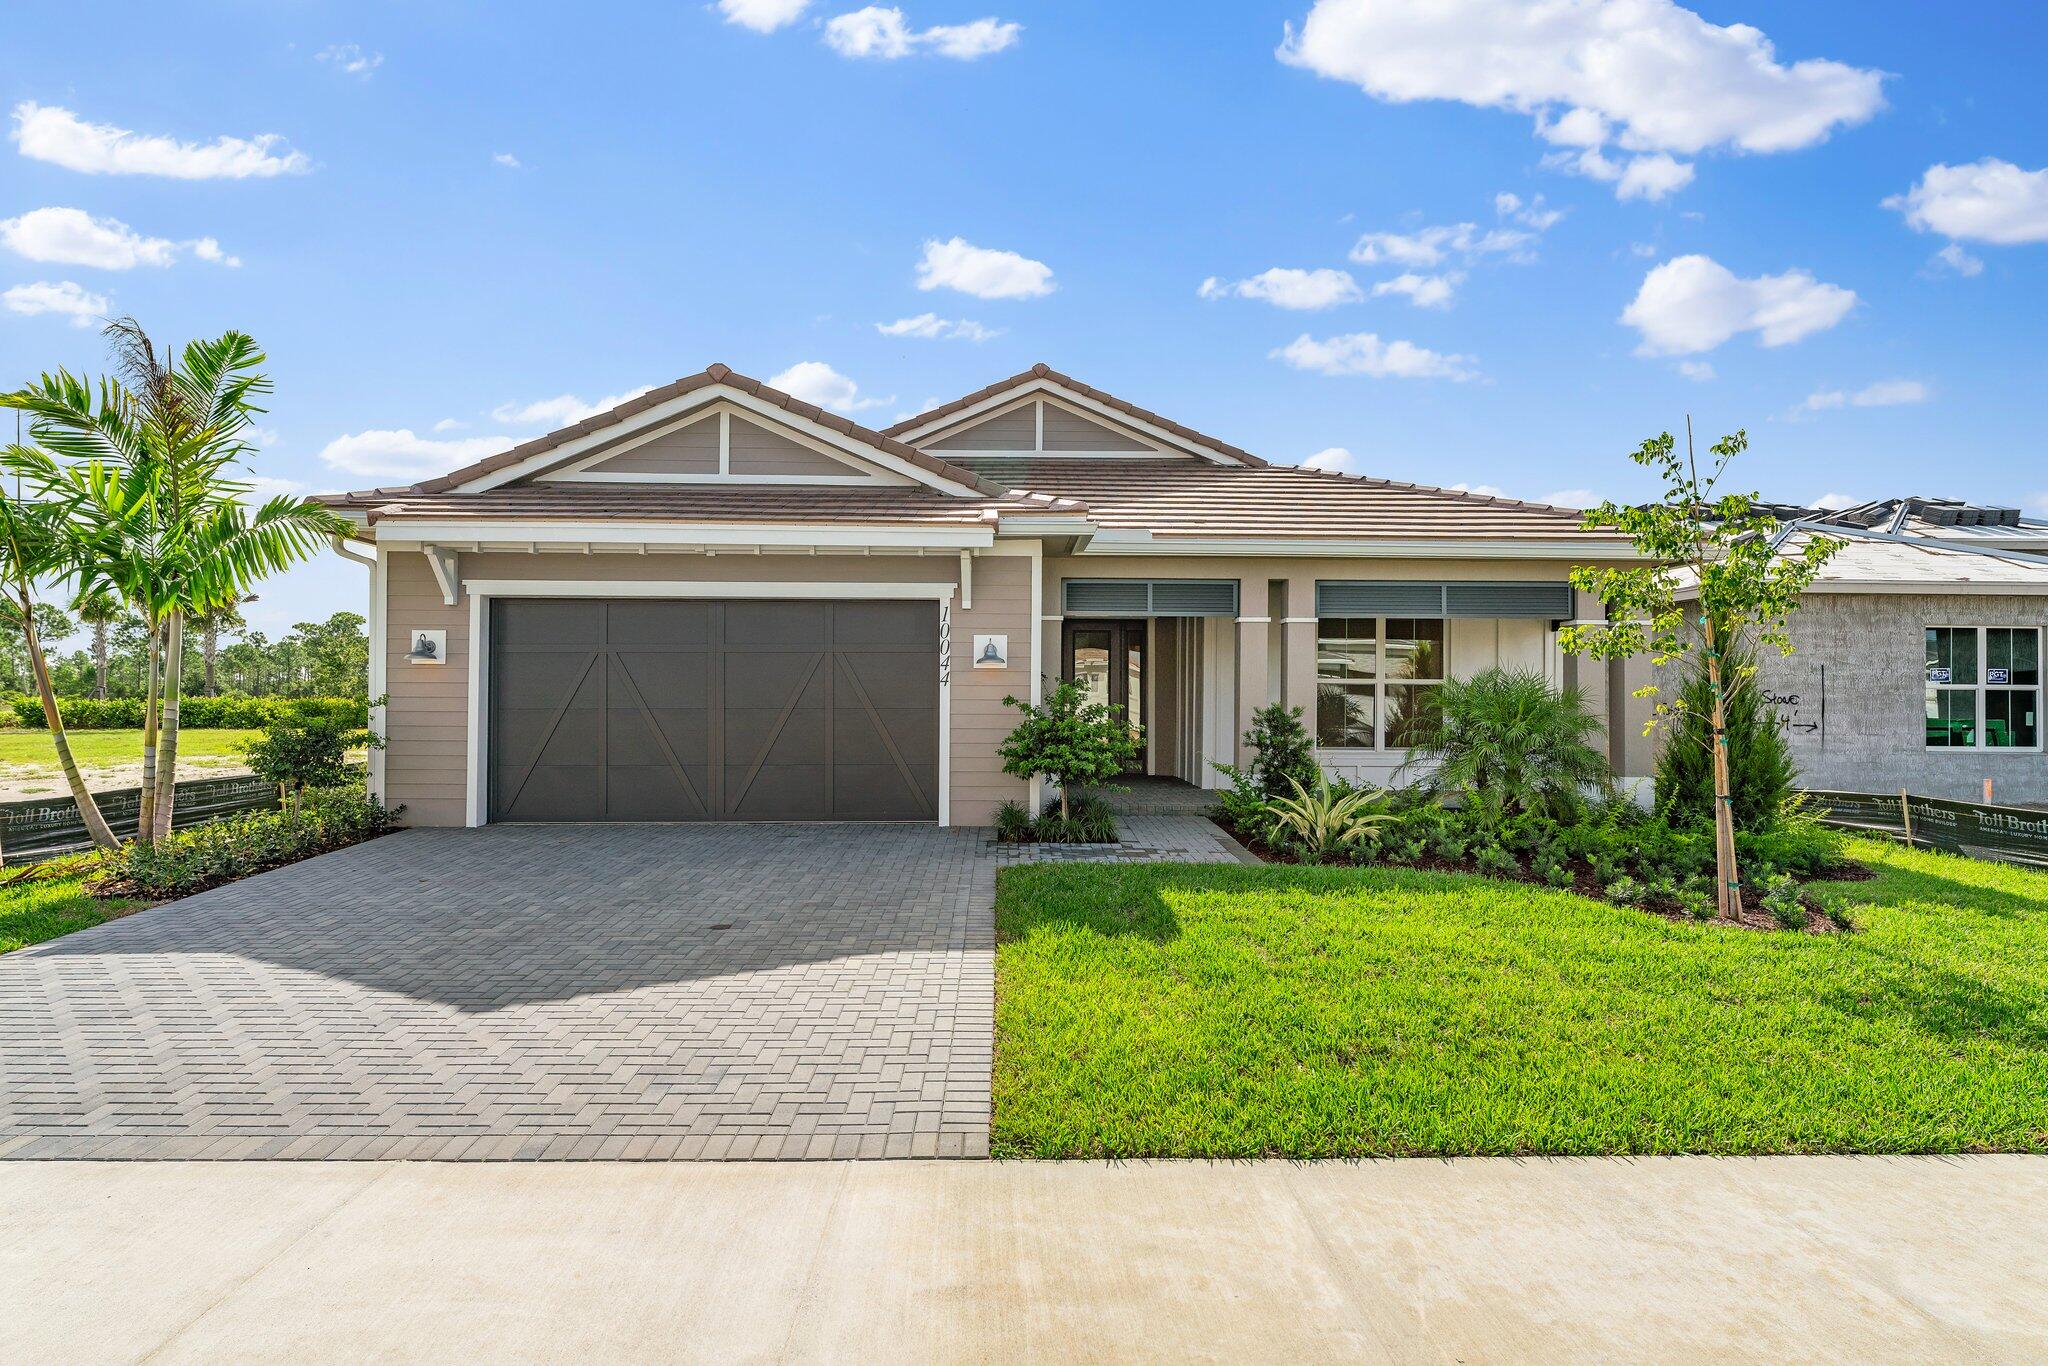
<point x="1714" y="571"/>
<point x="1070" y="740"/>
<point x="225" y="616"/>
<point x="32" y="546"/>
<point x="100" y="612"/>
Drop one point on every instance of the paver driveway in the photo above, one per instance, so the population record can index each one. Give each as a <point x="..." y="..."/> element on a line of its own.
<point x="523" y="991"/>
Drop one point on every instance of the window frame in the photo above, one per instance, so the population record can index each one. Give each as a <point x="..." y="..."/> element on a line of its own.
<point x="1982" y="690"/>
<point x="1380" y="684"/>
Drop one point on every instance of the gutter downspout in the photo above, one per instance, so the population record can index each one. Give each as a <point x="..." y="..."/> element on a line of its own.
<point x="341" y="548"/>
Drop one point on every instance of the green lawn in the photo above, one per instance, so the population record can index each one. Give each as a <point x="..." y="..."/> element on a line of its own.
<point x="28" y="749"/>
<point x="34" y="911"/>
<point x="1156" y="1010"/>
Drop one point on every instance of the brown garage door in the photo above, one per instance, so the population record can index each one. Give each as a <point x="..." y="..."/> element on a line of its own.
<point x="744" y="710"/>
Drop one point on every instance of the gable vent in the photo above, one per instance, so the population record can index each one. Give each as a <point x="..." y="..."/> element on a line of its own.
<point x="1149" y="597"/>
<point x="1544" y="601"/>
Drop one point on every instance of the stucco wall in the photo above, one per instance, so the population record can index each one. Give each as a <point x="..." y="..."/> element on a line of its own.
<point x="1863" y="655"/>
<point x="426" y="718"/>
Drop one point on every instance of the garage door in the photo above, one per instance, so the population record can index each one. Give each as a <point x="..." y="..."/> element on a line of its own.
<point x="655" y="710"/>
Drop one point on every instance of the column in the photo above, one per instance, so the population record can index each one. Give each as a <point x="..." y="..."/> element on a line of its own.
<point x="1253" y="660"/>
<point x="1298" y="670"/>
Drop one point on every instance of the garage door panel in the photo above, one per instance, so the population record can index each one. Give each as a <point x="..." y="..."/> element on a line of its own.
<point x="628" y="710"/>
<point x="878" y="625"/>
<point x="544" y="625"/>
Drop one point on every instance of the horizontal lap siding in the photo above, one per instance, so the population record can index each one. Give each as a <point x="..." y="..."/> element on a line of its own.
<point x="427" y="716"/>
<point x="1002" y="606"/>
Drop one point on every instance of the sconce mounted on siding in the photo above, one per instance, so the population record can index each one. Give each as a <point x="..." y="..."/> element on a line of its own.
<point x="428" y="647"/>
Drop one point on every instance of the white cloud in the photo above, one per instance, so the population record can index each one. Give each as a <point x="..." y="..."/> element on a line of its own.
<point x="1424" y="291"/>
<point x="1886" y="393"/>
<point x="75" y="237"/>
<point x="61" y="297"/>
<point x="507" y="160"/>
<point x="1286" y="287"/>
<point x="1433" y="246"/>
<point x="1573" y="498"/>
<point x="1363" y="353"/>
<point x="264" y="437"/>
<point x="48" y="133"/>
<point x="450" y="424"/>
<point x="1642" y="251"/>
<point x="1693" y="303"/>
<point x="982" y="272"/>
<point x="1698" y="371"/>
<point x="1510" y="205"/>
<point x="1645" y="177"/>
<point x="558" y="411"/>
<point x="208" y="249"/>
<point x="1334" y="460"/>
<point x="399" y="454"/>
<point x="350" y="59"/>
<point x="262" y="488"/>
<point x="931" y="327"/>
<point x="813" y="381"/>
<point x="884" y="34"/>
<point x="1647" y="76"/>
<point x="1835" y="502"/>
<point x="1953" y="257"/>
<point x="1483" y="490"/>
<point x="1985" y="201"/>
<point x="762" y="16"/>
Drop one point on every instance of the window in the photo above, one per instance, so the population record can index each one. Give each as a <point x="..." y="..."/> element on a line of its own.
<point x="1376" y="680"/>
<point x="1983" y="687"/>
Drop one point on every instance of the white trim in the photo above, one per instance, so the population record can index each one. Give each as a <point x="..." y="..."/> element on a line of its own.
<point x="476" y="771"/>
<point x="699" y="398"/>
<point x="444" y="564"/>
<point x="704" y="588"/>
<point x="1982" y="688"/>
<point x="481" y="591"/>
<point x="1297" y="621"/>
<point x="1038" y="427"/>
<point x="1930" y="587"/>
<point x="1254" y="621"/>
<point x="1036" y="386"/>
<point x="966" y="580"/>
<point x="582" y="472"/>
<point x="599" y="532"/>
<point x="380" y="647"/>
<point x="1117" y="542"/>
<point x="1035" y="787"/>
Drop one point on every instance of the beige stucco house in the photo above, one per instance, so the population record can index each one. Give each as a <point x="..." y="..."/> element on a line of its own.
<point x="717" y="602"/>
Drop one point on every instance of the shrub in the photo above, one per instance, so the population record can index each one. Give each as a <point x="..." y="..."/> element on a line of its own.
<point x="1013" y="823"/>
<point x="1508" y="742"/>
<point x="196" y="713"/>
<point x="1069" y="739"/>
<point x="188" y="861"/>
<point x="1325" y="820"/>
<point x="298" y="753"/>
<point x="1761" y="773"/>
<point x="1626" y="891"/>
<point x="1495" y="861"/>
<point x="1283" y="755"/>
<point x="1781" y="899"/>
<point x="1085" y="820"/>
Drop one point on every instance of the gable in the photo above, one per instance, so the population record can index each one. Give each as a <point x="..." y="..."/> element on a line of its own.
<point x="721" y="444"/>
<point x="1046" y="426"/>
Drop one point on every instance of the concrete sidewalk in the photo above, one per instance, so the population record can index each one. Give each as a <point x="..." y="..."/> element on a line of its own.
<point x="1780" y="1259"/>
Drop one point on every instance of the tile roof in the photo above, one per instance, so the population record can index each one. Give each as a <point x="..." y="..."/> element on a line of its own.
<point x="1046" y="372"/>
<point x="703" y="379"/>
<point x="1193" y="499"/>
<point x="913" y="506"/>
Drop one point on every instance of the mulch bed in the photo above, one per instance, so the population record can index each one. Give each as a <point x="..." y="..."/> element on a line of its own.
<point x="1754" y="916"/>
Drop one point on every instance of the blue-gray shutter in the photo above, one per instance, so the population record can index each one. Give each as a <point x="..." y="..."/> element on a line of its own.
<point x="1149" y="597"/>
<point x="1547" y="601"/>
<point x="1334" y="599"/>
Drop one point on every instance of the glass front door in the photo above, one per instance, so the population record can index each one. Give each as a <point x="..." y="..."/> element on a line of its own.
<point x="1107" y="658"/>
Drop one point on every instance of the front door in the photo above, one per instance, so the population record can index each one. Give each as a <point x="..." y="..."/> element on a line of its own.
<point x="1107" y="658"/>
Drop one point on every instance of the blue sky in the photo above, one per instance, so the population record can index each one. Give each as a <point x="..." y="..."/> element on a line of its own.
<point x="457" y="220"/>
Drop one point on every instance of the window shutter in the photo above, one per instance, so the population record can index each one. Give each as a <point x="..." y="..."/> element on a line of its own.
<point x="1149" y="597"/>
<point x="1379" y="599"/>
<point x="1548" y="601"/>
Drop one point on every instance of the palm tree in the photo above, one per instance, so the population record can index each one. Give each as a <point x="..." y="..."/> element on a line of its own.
<point x="225" y="616"/>
<point x="100" y="613"/>
<point x="31" y="547"/>
<point x="145" y="471"/>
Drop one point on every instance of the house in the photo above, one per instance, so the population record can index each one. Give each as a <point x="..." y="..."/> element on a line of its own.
<point x="1917" y="655"/>
<point x="717" y="602"/>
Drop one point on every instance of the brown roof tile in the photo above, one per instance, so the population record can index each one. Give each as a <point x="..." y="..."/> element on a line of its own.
<point x="1188" y="498"/>
<point x="1044" y="371"/>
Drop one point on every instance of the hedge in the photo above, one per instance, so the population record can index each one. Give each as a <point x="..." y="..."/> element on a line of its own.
<point x="199" y="713"/>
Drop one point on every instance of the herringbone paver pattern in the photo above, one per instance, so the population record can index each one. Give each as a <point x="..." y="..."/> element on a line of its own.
<point x="784" y="991"/>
